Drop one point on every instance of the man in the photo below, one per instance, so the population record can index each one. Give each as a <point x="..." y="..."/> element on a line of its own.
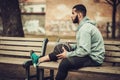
<point x="89" y="49"/>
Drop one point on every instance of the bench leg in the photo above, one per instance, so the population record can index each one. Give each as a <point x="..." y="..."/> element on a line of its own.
<point x="40" y="74"/>
<point x="51" y="74"/>
<point x="37" y="75"/>
<point x="27" y="73"/>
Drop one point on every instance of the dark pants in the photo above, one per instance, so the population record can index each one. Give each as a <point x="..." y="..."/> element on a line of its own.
<point x="73" y="63"/>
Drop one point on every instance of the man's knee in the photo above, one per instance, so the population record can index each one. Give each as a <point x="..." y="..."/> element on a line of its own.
<point x="53" y="57"/>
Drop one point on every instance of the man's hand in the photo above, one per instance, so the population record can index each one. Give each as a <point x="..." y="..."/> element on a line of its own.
<point x="63" y="54"/>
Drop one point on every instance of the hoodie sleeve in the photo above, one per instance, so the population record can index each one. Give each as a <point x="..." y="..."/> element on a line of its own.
<point x="73" y="46"/>
<point x="83" y="45"/>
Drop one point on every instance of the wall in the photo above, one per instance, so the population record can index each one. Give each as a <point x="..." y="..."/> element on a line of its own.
<point x="33" y="16"/>
<point x="33" y="24"/>
<point x="58" y="15"/>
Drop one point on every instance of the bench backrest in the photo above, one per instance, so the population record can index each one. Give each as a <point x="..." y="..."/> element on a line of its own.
<point x="112" y="49"/>
<point x="21" y="47"/>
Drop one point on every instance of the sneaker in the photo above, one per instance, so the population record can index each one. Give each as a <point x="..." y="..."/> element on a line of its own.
<point x="34" y="58"/>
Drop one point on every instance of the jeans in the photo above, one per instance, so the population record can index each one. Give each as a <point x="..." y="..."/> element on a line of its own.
<point x="73" y="63"/>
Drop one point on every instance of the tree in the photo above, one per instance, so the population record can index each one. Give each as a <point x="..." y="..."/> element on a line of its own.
<point x="114" y="4"/>
<point x="11" y="18"/>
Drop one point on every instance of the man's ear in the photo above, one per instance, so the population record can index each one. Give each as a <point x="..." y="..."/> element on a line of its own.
<point x="80" y="15"/>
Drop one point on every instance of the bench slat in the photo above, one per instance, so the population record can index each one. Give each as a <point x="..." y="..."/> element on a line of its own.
<point x="16" y="53"/>
<point x="106" y="42"/>
<point x="21" y="43"/>
<point x="112" y="48"/>
<point x="112" y="54"/>
<point x="21" y="39"/>
<point x="112" y="59"/>
<point x="49" y="65"/>
<point x="20" y="48"/>
<point x="67" y="40"/>
<point x="12" y="60"/>
<point x="102" y="69"/>
<point x="112" y="42"/>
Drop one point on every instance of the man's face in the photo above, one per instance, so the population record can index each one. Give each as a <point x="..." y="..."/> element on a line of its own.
<point x="74" y="16"/>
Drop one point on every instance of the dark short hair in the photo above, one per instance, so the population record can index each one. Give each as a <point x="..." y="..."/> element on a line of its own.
<point x="80" y="8"/>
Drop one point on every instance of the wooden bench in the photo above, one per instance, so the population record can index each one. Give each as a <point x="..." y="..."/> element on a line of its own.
<point x="111" y="63"/>
<point x="16" y="51"/>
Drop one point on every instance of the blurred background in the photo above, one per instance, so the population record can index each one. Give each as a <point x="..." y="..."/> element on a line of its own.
<point x="53" y="17"/>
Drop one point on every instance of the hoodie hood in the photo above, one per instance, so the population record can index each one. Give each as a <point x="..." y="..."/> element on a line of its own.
<point x="86" y="20"/>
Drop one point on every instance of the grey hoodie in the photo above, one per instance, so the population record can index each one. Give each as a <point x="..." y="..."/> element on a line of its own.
<point x="89" y="42"/>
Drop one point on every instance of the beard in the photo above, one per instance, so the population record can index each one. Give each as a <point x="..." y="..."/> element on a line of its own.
<point x="76" y="20"/>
